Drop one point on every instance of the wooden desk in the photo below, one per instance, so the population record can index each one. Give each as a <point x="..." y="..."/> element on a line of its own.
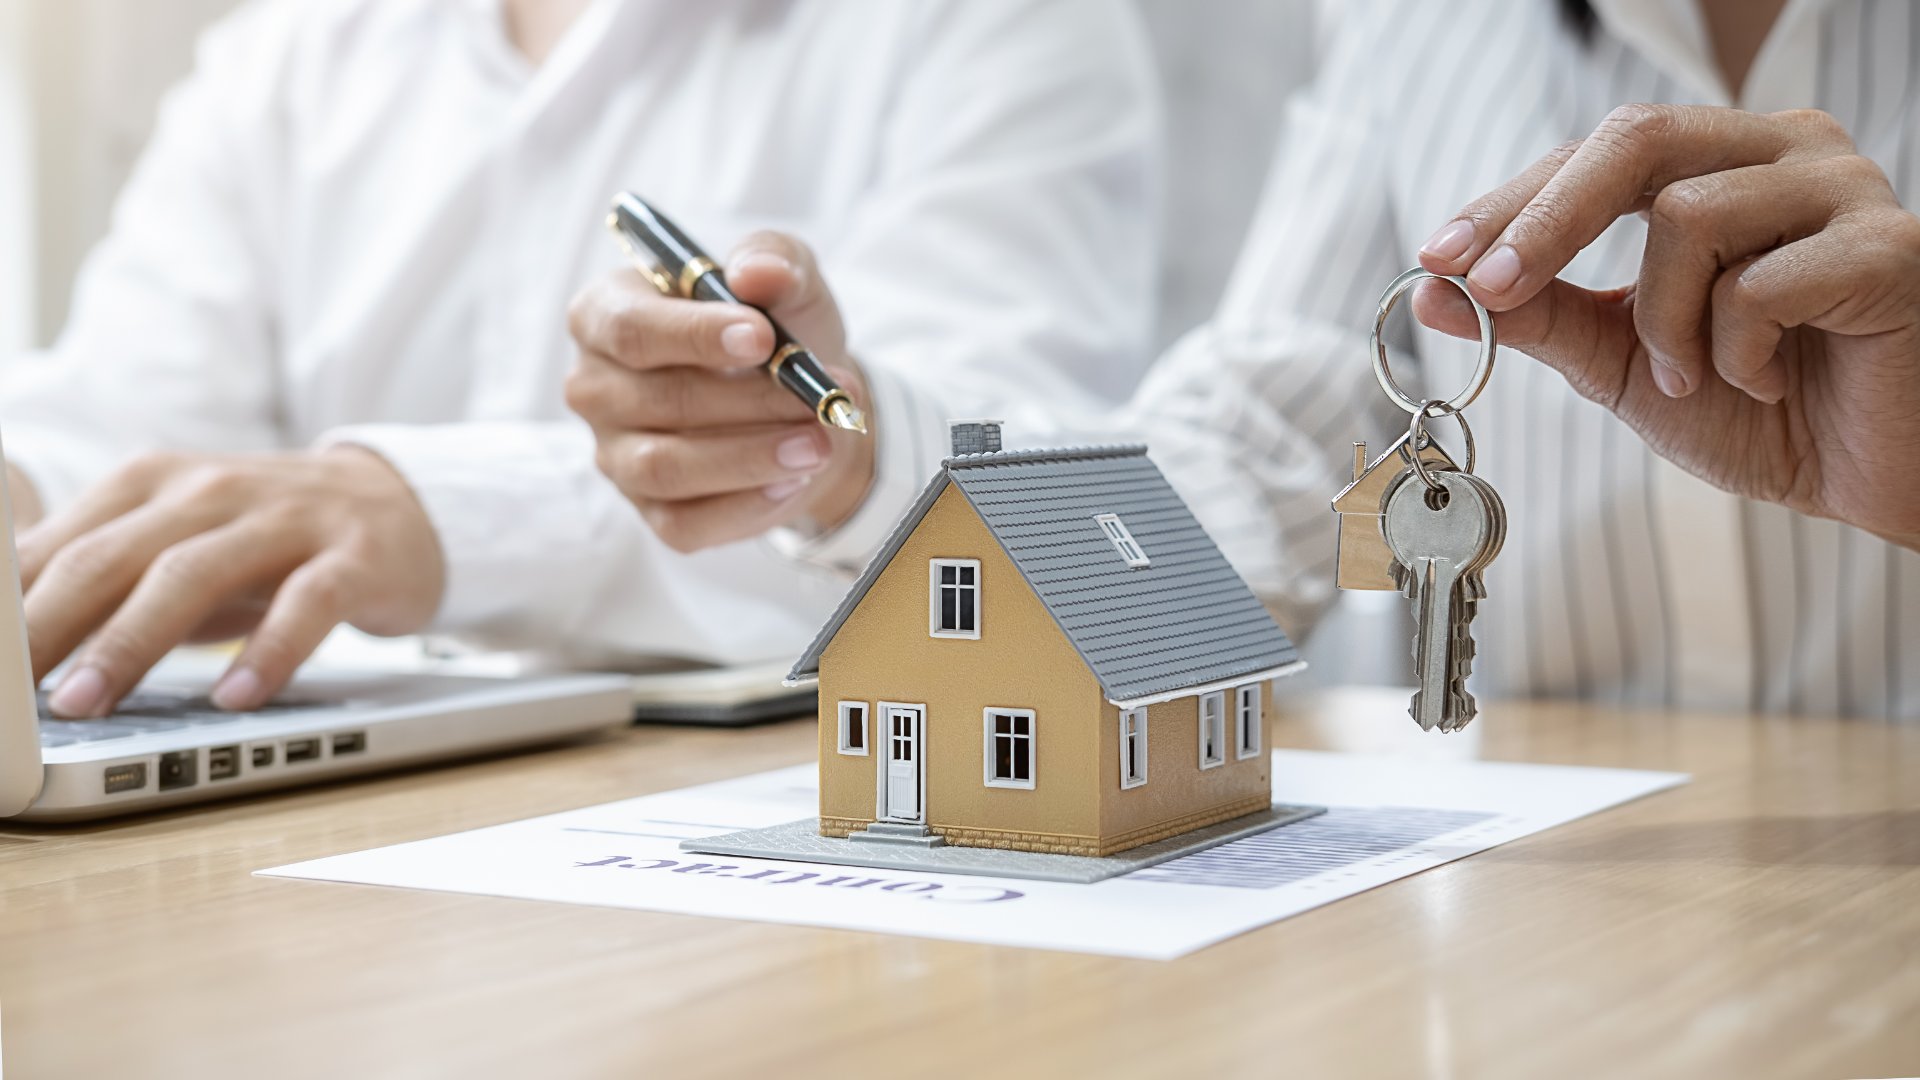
<point x="1762" y="921"/>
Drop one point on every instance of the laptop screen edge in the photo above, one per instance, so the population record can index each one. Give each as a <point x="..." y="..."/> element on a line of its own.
<point x="21" y="772"/>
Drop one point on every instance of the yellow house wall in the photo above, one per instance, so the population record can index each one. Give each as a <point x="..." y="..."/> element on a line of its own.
<point x="1022" y="660"/>
<point x="1179" y="795"/>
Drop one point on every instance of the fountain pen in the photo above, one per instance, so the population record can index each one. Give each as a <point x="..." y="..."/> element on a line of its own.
<point x="678" y="267"/>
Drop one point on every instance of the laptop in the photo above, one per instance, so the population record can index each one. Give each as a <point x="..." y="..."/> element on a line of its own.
<point x="168" y="746"/>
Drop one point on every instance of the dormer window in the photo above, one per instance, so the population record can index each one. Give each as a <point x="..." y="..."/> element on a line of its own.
<point x="953" y="598"/>
<point x="1123" y="541"/>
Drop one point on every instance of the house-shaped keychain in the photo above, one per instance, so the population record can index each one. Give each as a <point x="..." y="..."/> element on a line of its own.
<point x="1049" y="670"/>
<point x="1364" y="558"/>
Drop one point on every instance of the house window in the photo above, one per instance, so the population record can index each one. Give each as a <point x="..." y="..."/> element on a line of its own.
<point x="954" y="598"/>
<point x="853" y="728"/>
<point x="1123" y="540"/>
<point x="1213" y="729"/>
<point x="1009" y="748"/>
<point x="1133" y="747"/>
<point x="1246" y="720"/>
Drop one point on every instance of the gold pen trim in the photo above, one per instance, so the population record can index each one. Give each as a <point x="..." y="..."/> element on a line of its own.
<point x="837" y="410"/>
<point x="690" y="274"/>
<point x="780" y="358"/>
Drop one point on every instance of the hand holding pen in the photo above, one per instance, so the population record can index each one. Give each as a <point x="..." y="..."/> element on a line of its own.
<point x="688" y="422"/>
<point x="678" y="267"/>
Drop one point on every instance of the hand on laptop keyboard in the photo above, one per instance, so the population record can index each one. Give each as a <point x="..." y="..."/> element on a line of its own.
<point x="282" y="547"/>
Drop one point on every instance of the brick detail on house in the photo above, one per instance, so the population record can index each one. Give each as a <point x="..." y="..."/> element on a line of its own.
<point x="1057" y="844"/>
<point x="1049" y="843"/>
<point x="843" y="826"/>
<point x="1240" y="808"/>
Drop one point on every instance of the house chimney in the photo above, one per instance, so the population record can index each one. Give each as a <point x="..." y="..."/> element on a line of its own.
<point x="974" y="436"/>
<point x="1359" y="460"/>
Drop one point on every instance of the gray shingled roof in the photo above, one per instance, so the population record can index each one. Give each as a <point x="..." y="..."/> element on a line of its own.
<point x="1186" y="620"/>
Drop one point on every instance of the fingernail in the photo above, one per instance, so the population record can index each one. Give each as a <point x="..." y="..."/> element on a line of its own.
<point x="765" y="260"/>
<point x="742" y="341"/>
<point x="238" y="690"/>
<point x="799" y="452"/>
<point x="785" y="489"/>
<point x="1497" y="271"/>
<point x="81" y="695"/>
<point x="1450" y="242"/>
<point x="1671" y="380"/>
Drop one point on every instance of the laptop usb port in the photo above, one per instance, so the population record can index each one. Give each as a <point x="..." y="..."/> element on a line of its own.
<point x="223" y="763"/>
<point x="302" y="750"/>
<point x="126" y="777"/>
<point x="180" y="769"/>
<point x="352" y="742"/>
<point x="262" y="756"/>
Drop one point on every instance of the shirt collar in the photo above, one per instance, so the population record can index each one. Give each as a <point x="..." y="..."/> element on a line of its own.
<point x="485" y="24"/>
<point x="1672" y="36"/>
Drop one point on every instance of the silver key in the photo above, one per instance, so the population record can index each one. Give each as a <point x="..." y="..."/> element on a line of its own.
<point x="1461" y="707"/>
<point x="1439" y="544"/>
<point x="1473" y="588"/>
<point x="1474" y="585"/>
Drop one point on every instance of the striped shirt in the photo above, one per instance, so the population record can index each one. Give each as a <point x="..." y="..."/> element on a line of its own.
<point x="1623" y="579"/>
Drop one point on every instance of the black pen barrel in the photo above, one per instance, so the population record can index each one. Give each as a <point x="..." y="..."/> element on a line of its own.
<point x="800" y="371"/>
<point x="672" y="249"/>
<point x="792" y="364"/>
<point x="679" y="267"/>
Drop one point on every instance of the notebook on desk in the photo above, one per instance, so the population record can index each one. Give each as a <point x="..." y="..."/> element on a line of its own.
<point x="663" y="690"/>
<point x="726" y="696"/>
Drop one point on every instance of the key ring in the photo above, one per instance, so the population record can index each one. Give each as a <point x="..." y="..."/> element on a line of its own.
<point x="1416" y="431"/>
<point x="1482" y="370"/>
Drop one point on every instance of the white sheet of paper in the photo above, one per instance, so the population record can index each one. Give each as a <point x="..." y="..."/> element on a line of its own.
<point x="1387" y="818"/>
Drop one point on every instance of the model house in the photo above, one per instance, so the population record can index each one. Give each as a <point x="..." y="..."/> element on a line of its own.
<point x="1364" y="556"/>
<point x="1047" y="654"/>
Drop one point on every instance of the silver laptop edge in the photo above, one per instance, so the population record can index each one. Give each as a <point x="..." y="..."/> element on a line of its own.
<point x="21" y="773"/>
<point x="371" y="722"/>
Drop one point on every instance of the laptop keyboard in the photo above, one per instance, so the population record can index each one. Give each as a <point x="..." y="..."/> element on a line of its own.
<point x="145" y="711"/>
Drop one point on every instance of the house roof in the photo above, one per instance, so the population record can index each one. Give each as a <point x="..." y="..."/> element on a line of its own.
<point x="1186" y="620"/>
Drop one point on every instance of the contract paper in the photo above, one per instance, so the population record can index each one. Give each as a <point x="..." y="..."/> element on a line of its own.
<point x="1387" y="818"/>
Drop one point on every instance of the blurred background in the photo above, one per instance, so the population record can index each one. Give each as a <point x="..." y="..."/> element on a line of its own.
<point x="80" y="79"/>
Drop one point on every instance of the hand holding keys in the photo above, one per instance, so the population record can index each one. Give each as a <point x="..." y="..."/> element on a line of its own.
<point x="1442" y="526"/>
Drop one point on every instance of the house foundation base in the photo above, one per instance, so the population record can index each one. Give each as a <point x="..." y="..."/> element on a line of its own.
<point x="800" y="841"/>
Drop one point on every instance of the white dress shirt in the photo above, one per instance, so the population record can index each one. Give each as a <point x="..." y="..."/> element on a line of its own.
<point x="1623" y="578"/>
<point x="361" y="221"/>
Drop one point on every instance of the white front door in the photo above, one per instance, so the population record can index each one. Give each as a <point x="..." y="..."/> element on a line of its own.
<point x="901" y="773"/>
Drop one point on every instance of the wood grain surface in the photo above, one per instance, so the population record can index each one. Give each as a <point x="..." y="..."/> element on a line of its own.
<point x="1762" y="921"/>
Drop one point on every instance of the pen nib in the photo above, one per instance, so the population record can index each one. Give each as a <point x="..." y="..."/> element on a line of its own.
<point x="842" y="414"/>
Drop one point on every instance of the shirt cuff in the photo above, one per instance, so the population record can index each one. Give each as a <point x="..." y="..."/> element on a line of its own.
<point x="507" y="503"/>
<point x="59" y="465"/>
<point x="910" y="433"/>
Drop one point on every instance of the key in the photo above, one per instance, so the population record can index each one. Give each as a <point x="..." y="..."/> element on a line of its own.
<point x="1440" y="578"/>
<point x="1437" y="543"/>
<point x="1462" y="708"/>
<point x="1476" y="590"/>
